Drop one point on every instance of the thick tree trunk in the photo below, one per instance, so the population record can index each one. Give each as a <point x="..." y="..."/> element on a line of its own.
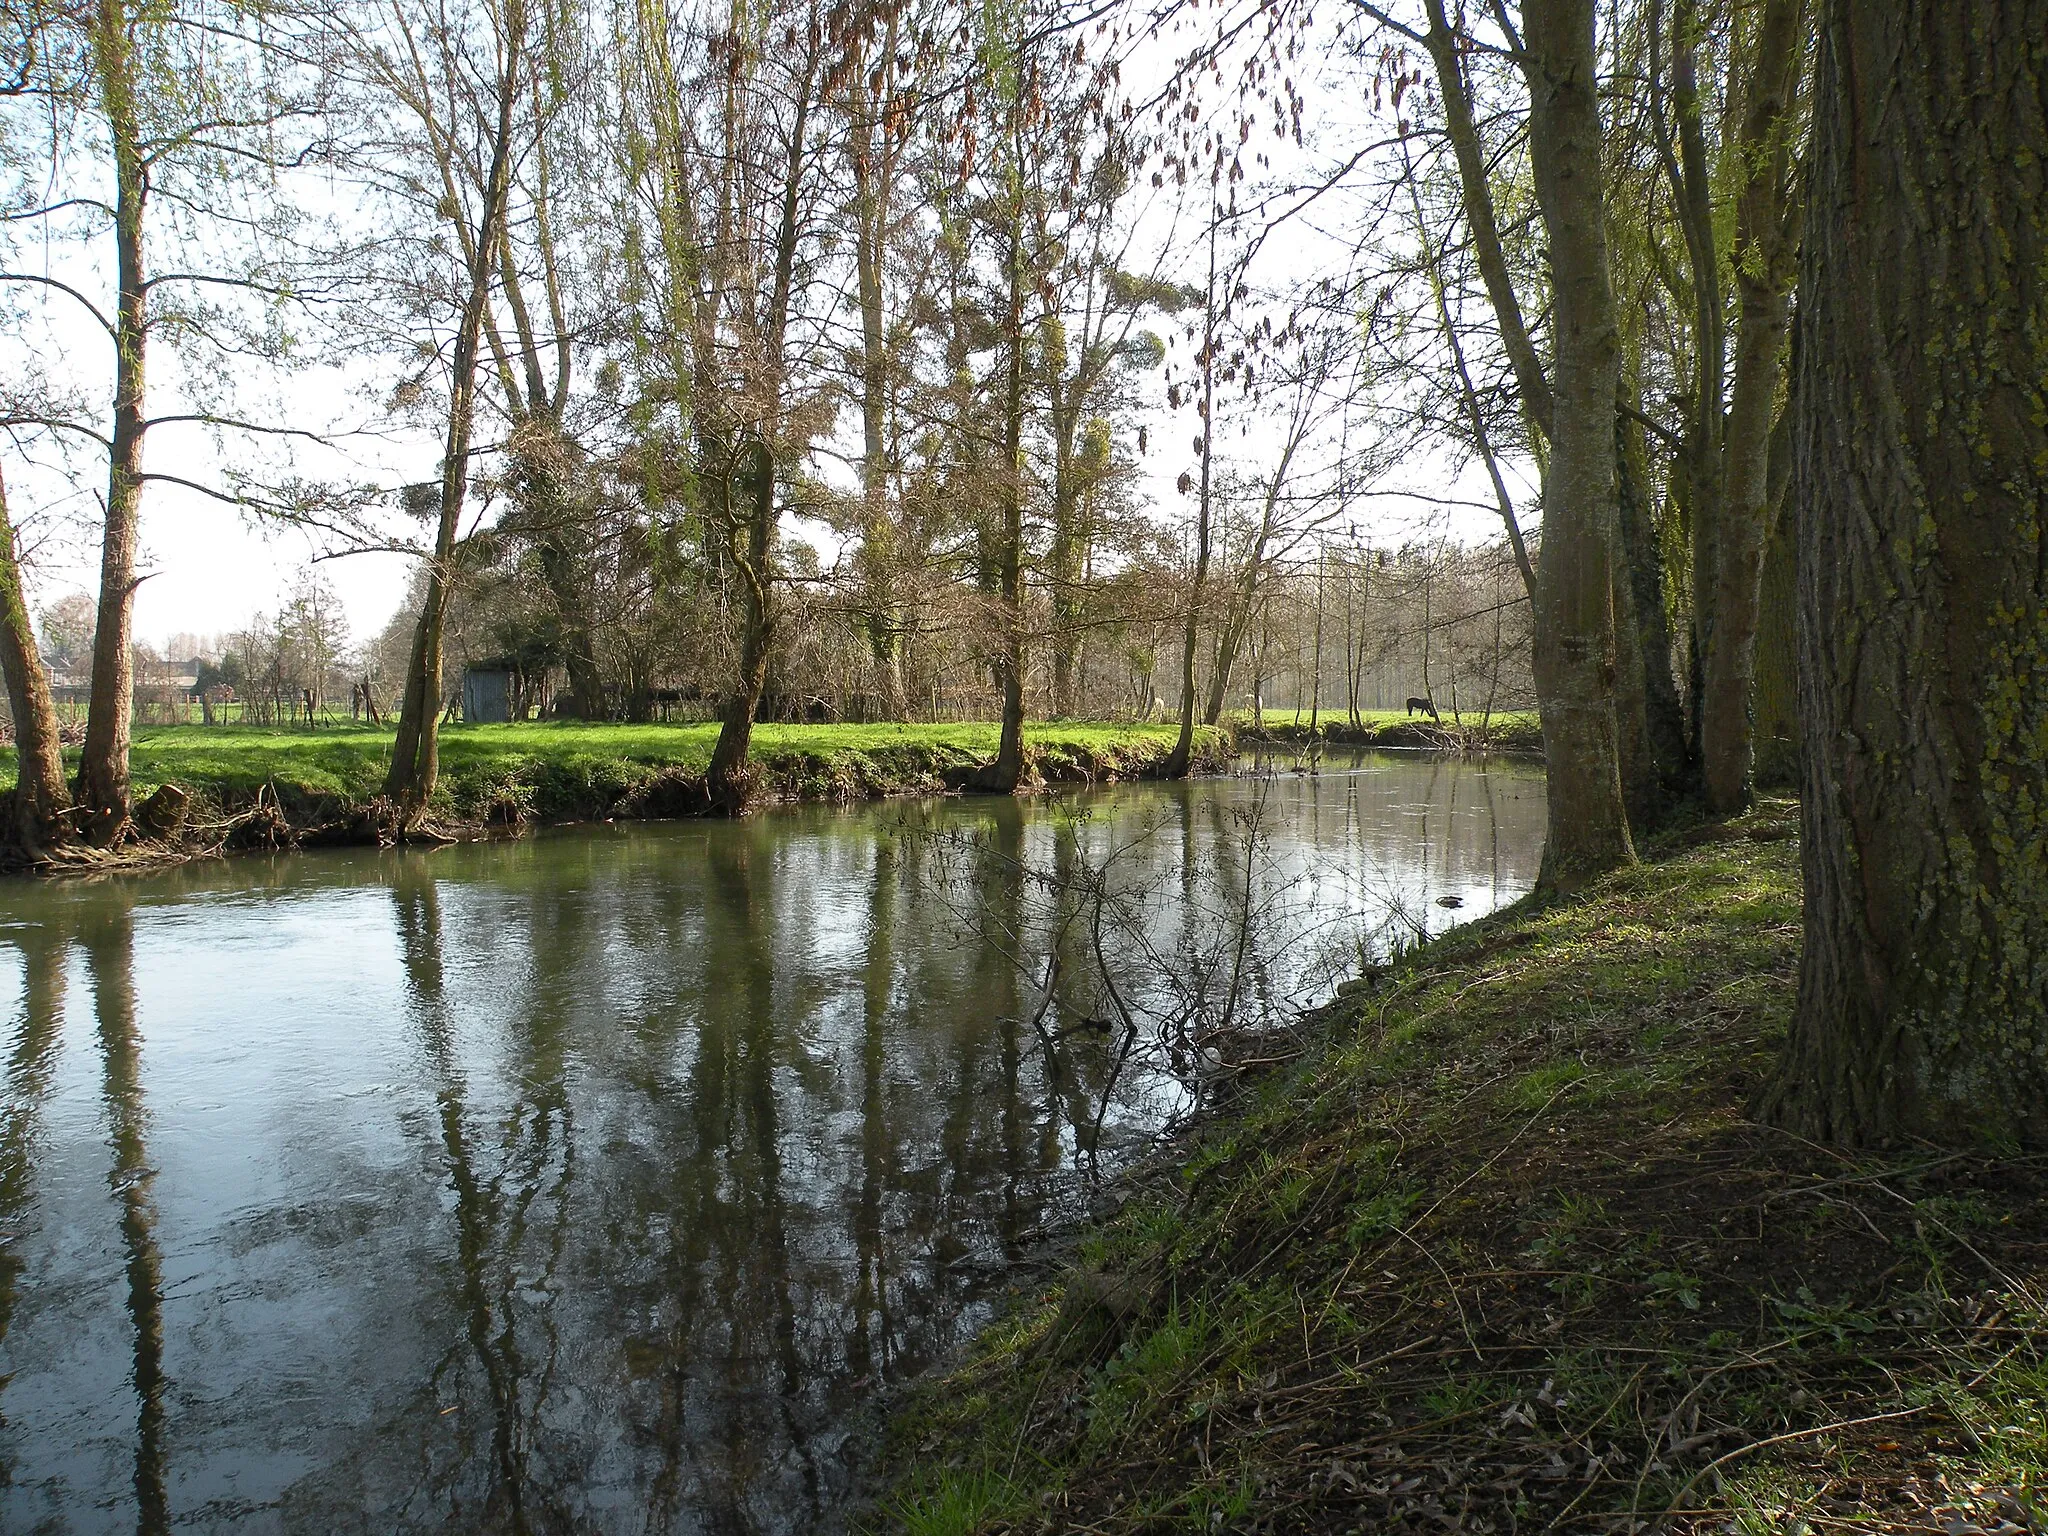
<point x="416" y="751"/>
<point x="1921" y="482"/>
<point x="1642" y="791"/>
<point x="1574" y="655"/>
<point x="103" y="764"/>
<point x="547" y="512"/>
<point x="1765" y="253"/>
<point x="579" y="650"/>
<point x="41" y="797"/>
<point x="1007" y="772"/>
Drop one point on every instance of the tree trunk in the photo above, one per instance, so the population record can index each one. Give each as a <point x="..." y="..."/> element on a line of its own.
<point x="103" y="765"/>
<point x="1765" y="250"/>
<point x="1574" y="655"/>
<point x="1064" y="556"/>
<point x="41" y="797"/>
<point x="1181" y="759"/>
<point x="877" y="550"/>
<point x="1774" y="684"/>
<point x="579" y="649"/>
<point x="1642" y="790"/>
<point x="416" y="753"/>
<point x="1640" y="604"/>
<point x="1007" y="771"/>
<point x="1701" y="462"/>
<point x="1229" y="640"/>
<point x="729" y="778"/>
<point x="1920" y="479"/>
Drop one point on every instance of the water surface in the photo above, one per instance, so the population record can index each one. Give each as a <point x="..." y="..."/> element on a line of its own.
<point x="591" y="1182"/>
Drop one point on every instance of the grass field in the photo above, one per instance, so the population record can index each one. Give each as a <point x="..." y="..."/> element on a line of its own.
<point x="567" y="769"/>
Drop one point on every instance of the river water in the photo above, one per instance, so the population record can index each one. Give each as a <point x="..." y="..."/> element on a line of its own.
<point x="591" y="1182"/>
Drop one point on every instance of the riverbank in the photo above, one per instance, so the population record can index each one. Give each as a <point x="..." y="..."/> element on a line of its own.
<point x="1516" y="731"/>
<point x="250" y="787"/>
<point x="1506" y="1254"/>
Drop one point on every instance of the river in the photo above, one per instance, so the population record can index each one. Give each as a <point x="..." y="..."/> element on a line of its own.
<point x="592" y="1182"/>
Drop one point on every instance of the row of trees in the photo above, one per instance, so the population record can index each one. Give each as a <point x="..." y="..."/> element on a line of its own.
<point x="1438" y="617"/>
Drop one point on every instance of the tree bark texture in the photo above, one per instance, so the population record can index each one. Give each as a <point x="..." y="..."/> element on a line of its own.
<point x="1574" y="654"/>
<point x="1921" y="488"/>
<point x="41" y="797"/>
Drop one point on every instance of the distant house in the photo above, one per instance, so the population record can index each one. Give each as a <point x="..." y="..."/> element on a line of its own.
<point x="487" y="695"/>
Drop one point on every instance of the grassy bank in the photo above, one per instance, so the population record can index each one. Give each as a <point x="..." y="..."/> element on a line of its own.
<point x="1506" y="1254"/>
<point x="319" y="780"/>
<point x="1518" y="731"/>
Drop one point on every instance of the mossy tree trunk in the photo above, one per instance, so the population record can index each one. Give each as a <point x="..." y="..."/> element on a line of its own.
<point x="1574" y="656"/>
<point x="1921" y="488"/>
<point x="1767" y="213"/>
<point x="41" y="797"/>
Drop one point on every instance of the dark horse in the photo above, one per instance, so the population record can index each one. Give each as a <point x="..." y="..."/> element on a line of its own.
<point x="1426" y="707"/>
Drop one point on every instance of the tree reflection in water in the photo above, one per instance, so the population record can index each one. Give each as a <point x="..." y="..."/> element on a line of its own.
<point x="30" y="1066"/>
<point x="108" y="938"/>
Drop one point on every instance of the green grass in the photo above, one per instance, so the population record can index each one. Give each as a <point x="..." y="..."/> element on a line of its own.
<point x="569" y="769"/>
<point x="1505" y="1252"/>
